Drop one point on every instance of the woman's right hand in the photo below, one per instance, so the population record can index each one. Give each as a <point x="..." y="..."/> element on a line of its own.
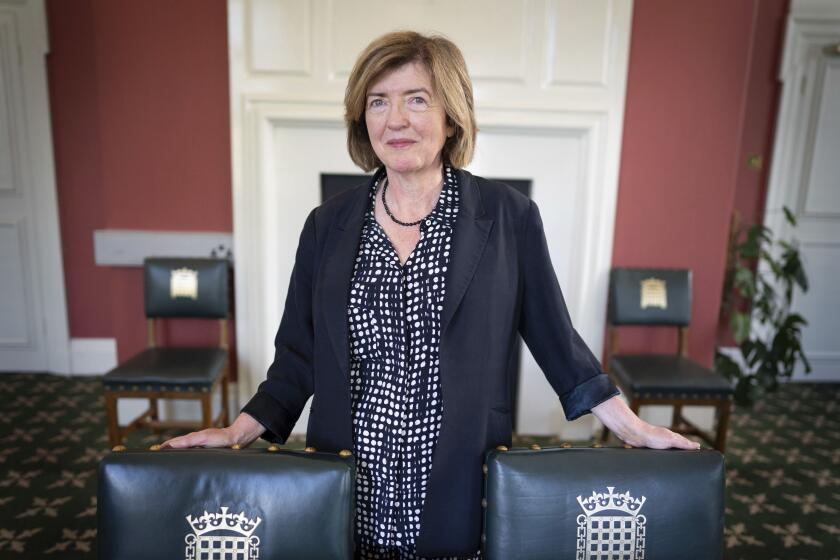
<point x="243" y="431"/>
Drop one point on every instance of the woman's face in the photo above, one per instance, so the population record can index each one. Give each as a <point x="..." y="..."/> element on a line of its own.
<point x="406" y="122"/>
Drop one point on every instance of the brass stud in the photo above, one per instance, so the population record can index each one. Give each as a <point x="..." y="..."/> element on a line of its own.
<point x="565" y="445"/>
<point x="118" y="448"/>
<point x="484" y="502"/>
<point x="596" y="445"/>
<point x="155" y="447"/>
<point x="535" y="447"/>
<point x="484" y="469"/>
<point x="236" y="446"/>
<point x="273" y="448"/>
<point x="309" y="450"/>
<point x="628" y="446"/>
<point x="501" y="448"/>
<point x="345" y="453"/>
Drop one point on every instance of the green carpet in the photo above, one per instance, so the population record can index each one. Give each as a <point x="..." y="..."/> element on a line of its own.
<point x="783" y="474"/>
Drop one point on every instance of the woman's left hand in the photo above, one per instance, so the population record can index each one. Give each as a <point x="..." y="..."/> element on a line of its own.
<point x="623" y="422"/>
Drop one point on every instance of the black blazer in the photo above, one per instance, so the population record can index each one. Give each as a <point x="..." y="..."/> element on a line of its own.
<point x="500" y="280"/>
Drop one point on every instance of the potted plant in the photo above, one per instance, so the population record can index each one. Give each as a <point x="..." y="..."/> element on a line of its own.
<point x="769" y="350"/>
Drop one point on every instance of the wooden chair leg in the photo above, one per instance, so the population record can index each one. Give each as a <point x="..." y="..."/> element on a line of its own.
<point x="676" y="417"/>
<point x="225" y="401"/>
<point x="722" y="425"/>
<point x="153" y="414"/>
<point x="113" y="420"/>
<point x="207" y="410"/>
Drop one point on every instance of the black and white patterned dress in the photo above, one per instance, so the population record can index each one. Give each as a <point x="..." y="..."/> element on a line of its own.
<point x="394" y="322"/>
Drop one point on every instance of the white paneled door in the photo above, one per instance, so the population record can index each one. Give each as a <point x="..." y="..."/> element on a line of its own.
<point x="806" y="174"/>
<point x="33" y="316"/>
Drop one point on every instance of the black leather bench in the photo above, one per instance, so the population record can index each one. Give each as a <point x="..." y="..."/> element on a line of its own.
<point x="224" y="504"/>
<point x="607" y="503"/>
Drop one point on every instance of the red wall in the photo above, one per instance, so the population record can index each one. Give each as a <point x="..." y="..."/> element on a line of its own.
<point x="699" y="95"/>
<point x="140" y="109"/>
<point x="140" y="113"/>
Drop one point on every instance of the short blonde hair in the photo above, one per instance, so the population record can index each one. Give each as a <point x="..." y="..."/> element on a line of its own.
<point x="450" y="80"/>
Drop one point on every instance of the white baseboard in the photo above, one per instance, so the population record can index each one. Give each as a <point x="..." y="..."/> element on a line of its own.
<point x="92" y="356"/>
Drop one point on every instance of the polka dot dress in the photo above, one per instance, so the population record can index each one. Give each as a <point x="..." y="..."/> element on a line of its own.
<point x="394" y="322"/>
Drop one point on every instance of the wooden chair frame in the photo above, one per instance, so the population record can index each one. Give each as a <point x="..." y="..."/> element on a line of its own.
<point x="723" y="406"/>
<point x="150" y="417"/>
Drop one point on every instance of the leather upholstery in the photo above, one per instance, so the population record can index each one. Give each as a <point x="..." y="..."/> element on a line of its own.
<point x="653" y="375"/>
<point x="533" y="510"/>
<point x="625" y="301"/>
<point x="211" y="293"/>
<point x="304" y="502"/>
<point x="163" y="368"/>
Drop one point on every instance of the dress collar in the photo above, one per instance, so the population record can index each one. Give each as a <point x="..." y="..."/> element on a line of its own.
<point x="446" y="208"/>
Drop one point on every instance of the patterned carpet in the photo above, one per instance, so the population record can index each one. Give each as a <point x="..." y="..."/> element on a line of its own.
<point x="783" y="470"/>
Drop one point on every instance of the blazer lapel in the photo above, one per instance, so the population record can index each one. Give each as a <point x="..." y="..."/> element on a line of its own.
<point x="470" y="237"/>
<point x="341" y="247"/>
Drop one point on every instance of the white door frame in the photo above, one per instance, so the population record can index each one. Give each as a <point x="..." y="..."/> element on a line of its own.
<point x="811" y="26"/>
<point x="37" y="169"/>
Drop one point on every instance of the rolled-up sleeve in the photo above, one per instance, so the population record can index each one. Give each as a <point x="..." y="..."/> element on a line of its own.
<point x="546" y="327"/>
<point x="280" y="399"/>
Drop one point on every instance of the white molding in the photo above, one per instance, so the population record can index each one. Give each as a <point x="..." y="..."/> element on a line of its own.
<point x="127" y="247"/>
<point x="92" y="356"/>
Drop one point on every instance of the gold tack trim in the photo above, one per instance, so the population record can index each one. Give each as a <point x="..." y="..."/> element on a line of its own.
<point x="501" y="447"/>
<point x="535" y="446"/>
<point x="309" y="450"/>
<point x="155" y="447"/>
<point x="273" y="449"/>
<point x="118" y="448"/>
<point x="345" y="453"/>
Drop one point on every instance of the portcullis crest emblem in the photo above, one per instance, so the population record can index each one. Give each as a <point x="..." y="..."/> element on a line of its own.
<point x="610" y="527"/>
<point x="222" y="535"/>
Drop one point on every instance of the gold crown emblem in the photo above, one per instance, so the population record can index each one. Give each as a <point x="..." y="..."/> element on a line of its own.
<point x="610" y="500"/>
<point x="223" y="521"/>
<point x="654" y="293"/>
<point x="183" y="282"/>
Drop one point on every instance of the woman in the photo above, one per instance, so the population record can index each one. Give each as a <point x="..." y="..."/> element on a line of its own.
<point x="402" y="312"/>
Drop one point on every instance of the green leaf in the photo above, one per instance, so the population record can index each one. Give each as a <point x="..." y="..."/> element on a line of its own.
<point x="744" y="282"/>
<point x="789" y="216"/>
<point x="740" y="324"/>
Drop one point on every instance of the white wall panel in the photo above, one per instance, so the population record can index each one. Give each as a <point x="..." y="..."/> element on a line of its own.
<point x="280" y="36"/>
<point x="823" y="185"/>
<point x="8" y="161"/>
<point x="820" y="305"/>
<point x="578" y="42"/>
<point x="15" y="312"/>
<point x="495" y="44"/>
